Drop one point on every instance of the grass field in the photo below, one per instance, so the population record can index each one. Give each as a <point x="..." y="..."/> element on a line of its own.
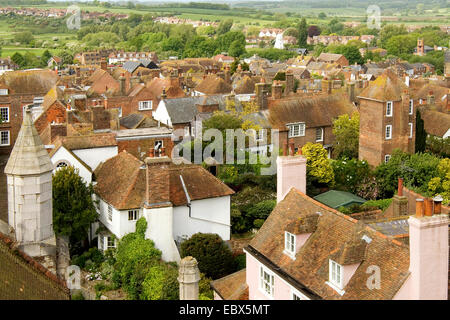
<point x="9" y="51"/>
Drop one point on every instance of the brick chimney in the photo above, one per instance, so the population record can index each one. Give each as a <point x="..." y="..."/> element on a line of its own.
<point x="189" y="277"/>
<point x="291" y="172"/>
<point x="289" y="82"/>
<point x="277" y="90"/>
<point x="261" y="95"/>
<point x="428" y="246"/>
<point x="122" y="84"/>
<point x="430" y="98"/>
<point x="400" y="202"/>
<point x="157" y="182"/>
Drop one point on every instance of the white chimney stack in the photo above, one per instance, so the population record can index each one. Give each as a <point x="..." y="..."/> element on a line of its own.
<point x="291" y="172"/>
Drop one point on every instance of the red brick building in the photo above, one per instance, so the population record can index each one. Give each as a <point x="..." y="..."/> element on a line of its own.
<point x="387" y="119"/>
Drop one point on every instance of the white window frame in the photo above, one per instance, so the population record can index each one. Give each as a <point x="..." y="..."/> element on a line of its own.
<point x="4" y="120"/>
<point x="134" y="214"/>
<point x="411" y="126"/>
<point x="101" y="242"/>
<point x="266" y="282"/>
<point x="411" y="106"/>
<point x="388" y="137"/>
<point x="108" y="239"/>
<point x="289" y="244"/>
<point x="187" y="131"/>
<point x="296" y="129"/>
<point x="389" y="107"/>
<point x="109" y="212"/>
<point x="144" y="105"/>
<point x="336" y="274"/>
<point x="321" y="134"/>
<point x="4" y="92"/>
<point x="7" y="134"/>
<point x="387" y="157"/>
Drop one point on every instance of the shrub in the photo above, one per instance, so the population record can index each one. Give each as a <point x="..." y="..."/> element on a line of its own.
<point x="212" y="254"/>
<point x="161" y="283"/>
<point x="92" y="256"/>
<point x="240" y="261"/>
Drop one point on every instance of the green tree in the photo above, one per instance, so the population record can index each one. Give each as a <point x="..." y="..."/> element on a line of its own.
<point x="214" y="257"/>
<point x="351" y="52"/>
<point x="237" y="48"/>
<point x="318" y="166"/>
<point x="25" y="37"/>
<point x="401" y="45"/>
<point x="224" y="26"/>
<point x="18" y="59"/>
<point x="73" y="208"/>
<point x="346" y="132"/>
<point x="302" y="33"/>
<point x="135" y="256"/>
<point x="45" y="57"/>
<point x="421" y="134"/>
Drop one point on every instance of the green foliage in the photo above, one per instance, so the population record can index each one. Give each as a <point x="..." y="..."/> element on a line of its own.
<point x="318" y="165"/>
<point x="302" y="33"/>
<point x="92" y="256"/>
<point x="73" y="208"/>
<point x="346" y="131"/>
<point x="25" y="37"/>
<point x="77" y="296"/>
<point x="204" y="287"/>
<point x="350" y="51"/>
<point x="214" y="257"/>
<point x="160" y="283"/>
<point x="381" y="204"/>
<point x="240" y="261"/>
<point x="134" y="257"/>
<point x="416" y="170"/>
<point x="271" y="54"/>
<point x="262" y="209"/>
<point x="421" y="134"/>
<point x="401" y="44"/>
<point x="350" y="173"/>
<point x="438" y="146"/>
<point x="224" y="26"/>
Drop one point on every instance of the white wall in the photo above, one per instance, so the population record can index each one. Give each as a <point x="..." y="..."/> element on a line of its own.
<point x="162" y="115"/>
<point x="160" y="221"/>
<point x="120" y="225"/>
<point x="92" y="157"/>
<point x="63" y="155"/>
<point x="207" y="216"/>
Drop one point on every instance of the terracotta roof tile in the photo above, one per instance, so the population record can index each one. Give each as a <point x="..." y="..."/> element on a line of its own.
<point x="334" y="234"/>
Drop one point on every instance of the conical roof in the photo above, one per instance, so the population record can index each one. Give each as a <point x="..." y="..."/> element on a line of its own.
<point x="28" y="156"/>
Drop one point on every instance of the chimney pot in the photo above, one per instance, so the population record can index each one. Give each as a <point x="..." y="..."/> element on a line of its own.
<point x="291" y="148"/>
<point x="428" y="203"/>
<point x="151" y="153"/>
<point x="437" y="204"/>
<point x="400" y="187"/>
<point x="419" y="208"/>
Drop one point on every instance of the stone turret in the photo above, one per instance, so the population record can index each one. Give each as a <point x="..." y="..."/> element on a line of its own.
<point x="29" y="178"/>
<point x="188" y="277"/>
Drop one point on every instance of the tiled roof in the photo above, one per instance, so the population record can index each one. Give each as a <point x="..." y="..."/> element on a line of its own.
<point x="213" y="84"/>
<point x="435" y="123"/>
<point x="29" y="81"/>
<point x="336" y="236"/>
<point x="23" y="278"/>
<point x="121" y="182"/>
<point x="387" y="87"/>
<point x="315" y="112"/>
<point x="232" y="287"/>
<point x="89" y="141"/>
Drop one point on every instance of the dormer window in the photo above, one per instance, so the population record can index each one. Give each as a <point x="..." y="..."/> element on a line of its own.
<point x="289" y="244"/>
<point x="335" y="274"/>
<point x="389" y="108"/>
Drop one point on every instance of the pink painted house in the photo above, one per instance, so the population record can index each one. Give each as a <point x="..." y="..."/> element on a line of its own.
<point x="306" y="250"/>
